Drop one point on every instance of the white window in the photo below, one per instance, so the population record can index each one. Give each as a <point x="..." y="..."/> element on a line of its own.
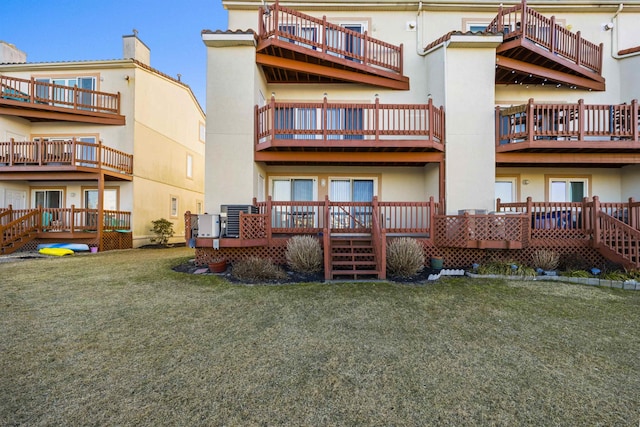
<point x="47" y="198"/>
<point x="66" y="97"/>
<point x="568" y="189"/>
<point x="174" y="207"/>
<point x="294" y="190"/>
<point x="351" y="190"/>
<point x="110" y="199"/>
<point x="506" y="189"/>
<point x="189" y="166"/>
<point x="202" y="132"/>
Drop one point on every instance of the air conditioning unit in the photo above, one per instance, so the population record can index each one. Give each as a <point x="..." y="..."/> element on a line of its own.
<point x="233" y="217"/>
<point x="209" y="225"/>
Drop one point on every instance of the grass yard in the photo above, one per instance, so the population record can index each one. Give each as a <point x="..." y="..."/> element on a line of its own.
<point x="118" y="338"/>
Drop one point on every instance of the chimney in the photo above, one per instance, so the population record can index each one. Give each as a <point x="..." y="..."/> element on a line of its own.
<point x="9" y="54"/>
<point x="133" y="47"/>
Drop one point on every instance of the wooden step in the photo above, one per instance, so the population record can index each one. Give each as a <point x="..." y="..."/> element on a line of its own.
<point x="353" y="263"/>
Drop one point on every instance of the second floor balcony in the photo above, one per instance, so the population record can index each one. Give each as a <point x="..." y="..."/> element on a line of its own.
<point x="608" y="133"/>
<point x="72" y="158"/>
<point x="338" y="128"/>
<point x="43" y="101"/>
<point x="297" y="48"/>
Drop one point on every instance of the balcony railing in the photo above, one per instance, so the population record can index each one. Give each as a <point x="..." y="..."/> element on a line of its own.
<point x="567" y="122"/>
<point x="40" y="94"/>
<point x="64" y="153"/>
<point x="327" y="122"/>
<point x="322" y="37"/>
<point x="521" y="21"/>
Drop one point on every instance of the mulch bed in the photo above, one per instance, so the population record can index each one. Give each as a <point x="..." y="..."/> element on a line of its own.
<point x="190" y="267"/>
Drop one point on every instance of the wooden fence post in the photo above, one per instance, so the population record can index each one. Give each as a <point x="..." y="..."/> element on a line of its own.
<point x="634" y="119"/>
<point x="595" y="218"/>
<point x="72" y="219"/>
<point x="530" y="119"/>
<point x="581" y="121"/>
<point x="631" y="213"/>
<point x="432" y="218"/>
<point x="269" y="215"/>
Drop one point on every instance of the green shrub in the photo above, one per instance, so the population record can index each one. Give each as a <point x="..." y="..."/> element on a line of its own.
<point x="254" y="269"/>
<point x="304" y="254"/>
<point x="506" y="268"/>
<point x="545" y="259"/>
<point x="404" y="257"/>
<point x="163" y="230"/>
<point x="616" y="275"/>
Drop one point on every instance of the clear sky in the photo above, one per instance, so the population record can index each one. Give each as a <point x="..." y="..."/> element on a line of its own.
<point x="69" y="30"/>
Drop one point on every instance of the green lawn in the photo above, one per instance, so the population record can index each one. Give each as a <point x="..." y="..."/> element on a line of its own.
<point x="119" y="339"/>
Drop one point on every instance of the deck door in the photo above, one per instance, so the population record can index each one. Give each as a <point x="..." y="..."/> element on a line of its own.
<point x="351" y="190"/>
<point x="110" y="201"/>
<point x="293" y="190"/>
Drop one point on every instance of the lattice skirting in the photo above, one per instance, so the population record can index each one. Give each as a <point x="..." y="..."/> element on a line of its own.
<point x="113" y="240"/>
<point x="453" y="257"/>
<point x="32" y="246"/>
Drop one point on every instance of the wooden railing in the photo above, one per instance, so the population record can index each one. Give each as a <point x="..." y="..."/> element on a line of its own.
<point x="44" y="93"/>
<point x="492" y="231"/>
<point x="522" y="21"/>
<point x="69" y="219"/>
<point x="324" y="38"/>
<point x="70" y="152"/>
<point x="581" y="122"/>
<point x="17" y="228"/>
<point x="379" y="241"/>
<point x="330" y="121"/>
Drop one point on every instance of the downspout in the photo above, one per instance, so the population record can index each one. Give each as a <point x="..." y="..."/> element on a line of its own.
<point x="418" y="38"/>
<point x="614" y="37"/>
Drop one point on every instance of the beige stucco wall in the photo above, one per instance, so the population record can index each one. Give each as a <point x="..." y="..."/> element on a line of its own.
<point x="231" y="97"/>
<point x="470" y="128"/>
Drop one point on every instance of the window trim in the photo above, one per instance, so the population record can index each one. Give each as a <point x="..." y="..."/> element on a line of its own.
<point x="515" y="180"/>
<point x="173" y="214"/>
<point x="587" y="179"/>
<point x="314" y="179"/>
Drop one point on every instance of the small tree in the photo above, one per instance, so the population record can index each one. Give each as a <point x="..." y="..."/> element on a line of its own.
<point x="163" y="230"/>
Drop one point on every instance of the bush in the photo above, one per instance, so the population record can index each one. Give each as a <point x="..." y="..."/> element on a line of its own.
<point x="404" y="257"/>
<point x="163" y="230"/>
<point x="546" y="260"/>
<point x="304" y="254"/>
<point x="506" y="268"/>
<point x="256" y="269"/>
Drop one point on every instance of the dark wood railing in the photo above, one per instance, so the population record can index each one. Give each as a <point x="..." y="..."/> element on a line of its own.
<point x="322" y="37"/>
<point x="44" y="93"/>
<point x="70" y="152"/>
<point x="581" y="122"/>
<point x="522" y="21"/>
<point x="329" y="121"/>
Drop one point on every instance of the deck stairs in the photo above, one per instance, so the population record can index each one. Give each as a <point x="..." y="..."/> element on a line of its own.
<point x="619" y="243"/>
<point x="353" y="257"/>
<point x="18" y="233"/>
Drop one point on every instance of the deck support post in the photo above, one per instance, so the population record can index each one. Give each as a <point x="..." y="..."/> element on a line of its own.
<point x="595" y="218"/>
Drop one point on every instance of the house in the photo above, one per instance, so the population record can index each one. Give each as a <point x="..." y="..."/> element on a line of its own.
<point x="484" y="129"/>
<point x="93" y="151"/>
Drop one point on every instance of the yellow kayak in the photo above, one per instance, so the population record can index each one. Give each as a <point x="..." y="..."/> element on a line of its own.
<point x="56" y="251"/>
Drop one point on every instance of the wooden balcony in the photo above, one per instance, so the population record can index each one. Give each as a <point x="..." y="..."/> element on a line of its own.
<point x="536" y="50"/>
<point x="68" y="160"/>
<point x="597" y="134"/>
<point x="313" y="131"/>
<point x="42" y="101"/>
<point x="298" y="48"/>
<point x="107" y="229"/>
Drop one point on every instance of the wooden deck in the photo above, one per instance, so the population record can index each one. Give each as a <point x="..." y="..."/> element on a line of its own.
<point x="589" y="229"/>
<point x="335" y="127"/>
<point x="297" y="48"/>
<point x="41" y="101"/>
<point x="537" y="51"/>
<point x="68" y="159"/>
<point x="575" y="133"/>
<point x="20" y="227"/>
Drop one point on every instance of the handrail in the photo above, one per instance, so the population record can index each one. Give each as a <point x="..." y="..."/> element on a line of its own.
<point x="592" y="122"/>
<point x="68" y="152"/>
<point x="522" y="21"/>
<point x="619" y="238"/>
<point x="329" y="121"/>
<point x="44" y="93"/>
<point x="316" y="34"/>
<point x="18" y="228"/>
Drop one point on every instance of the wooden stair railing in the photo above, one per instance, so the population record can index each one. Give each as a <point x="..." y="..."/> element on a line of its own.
<point x="617" y="241"/>
<point x="20" y="231"/>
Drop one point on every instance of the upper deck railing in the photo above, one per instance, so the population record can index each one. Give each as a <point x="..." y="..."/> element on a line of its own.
<point x="597" y="122"/>
<point x="64" y="153"/>
<point x="521" y="21"/>
<point x="41" y="93"/>
<point x="331" y="121"/>
<point x="316" y="34"/>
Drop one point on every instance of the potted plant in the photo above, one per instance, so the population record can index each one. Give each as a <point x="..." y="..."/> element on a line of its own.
<point x="217" y="265"/>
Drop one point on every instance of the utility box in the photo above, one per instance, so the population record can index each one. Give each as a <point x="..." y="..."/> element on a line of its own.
<point x="209" y="225"/>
